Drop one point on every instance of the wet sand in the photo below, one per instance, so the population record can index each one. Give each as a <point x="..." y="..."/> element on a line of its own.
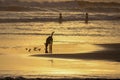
<point x="111" y="53"/>
<point x="22" y="78"/>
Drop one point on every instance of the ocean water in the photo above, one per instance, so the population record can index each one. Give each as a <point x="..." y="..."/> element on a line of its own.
<point x="101" y="27"/>
<point x="15" y="37"/>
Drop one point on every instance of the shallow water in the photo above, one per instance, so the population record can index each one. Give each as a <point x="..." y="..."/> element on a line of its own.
<point x="35" y="33"/>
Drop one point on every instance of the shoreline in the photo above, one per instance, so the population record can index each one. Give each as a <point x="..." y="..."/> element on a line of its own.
<point x="54" y="20"/>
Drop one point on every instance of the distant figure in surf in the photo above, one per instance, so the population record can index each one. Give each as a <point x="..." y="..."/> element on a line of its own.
<point x="60" y="17"/>
<point x="49" y="42"/>
<point x="86" y="18"/>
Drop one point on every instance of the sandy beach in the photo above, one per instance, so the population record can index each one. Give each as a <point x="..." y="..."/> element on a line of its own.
<point x="86" y="42"/>
<point x="105" y="54"/>
<point x="111" y="53"/>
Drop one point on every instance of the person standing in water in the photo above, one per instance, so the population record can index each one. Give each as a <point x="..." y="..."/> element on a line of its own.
<point x="60" y="17"/>
<point x="86" y="18"/>
<point x="49" y="42"/>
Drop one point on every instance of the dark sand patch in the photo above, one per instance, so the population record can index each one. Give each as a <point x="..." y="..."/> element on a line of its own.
<point x="112" y="53"/>
<point x="115" y="46"/>
<point x="1" y="53"/>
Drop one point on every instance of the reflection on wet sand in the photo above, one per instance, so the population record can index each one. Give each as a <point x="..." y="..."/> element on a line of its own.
<point x="90" y="65"/>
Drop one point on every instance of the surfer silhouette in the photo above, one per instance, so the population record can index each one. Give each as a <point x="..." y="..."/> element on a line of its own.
<point x="86" y="18"/>
<point x="60" y="18"/>
<point x="49" y="42"/>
